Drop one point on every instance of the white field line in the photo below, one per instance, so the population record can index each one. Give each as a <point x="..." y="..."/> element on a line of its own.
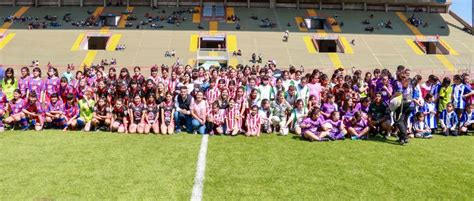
<point x="200" y="170"/>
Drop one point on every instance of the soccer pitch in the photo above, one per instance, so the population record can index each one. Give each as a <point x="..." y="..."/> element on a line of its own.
<point x="92" y="166"/>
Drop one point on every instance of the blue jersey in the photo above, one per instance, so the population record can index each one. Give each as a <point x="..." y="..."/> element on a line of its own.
<point x="467" y="118"/>
<point x="430" y="118"/>
<point x="450" y="119"/>
<point x="459" y="90"/>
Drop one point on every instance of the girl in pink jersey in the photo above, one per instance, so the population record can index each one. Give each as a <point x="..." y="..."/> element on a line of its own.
<point x="15" y="108"/>
<point x="51" y="84"/>
<point x="36" y="84"/>
<point x="253" y="122"/>
<point x="233" y="118"/>
<point x="24" y="80"/>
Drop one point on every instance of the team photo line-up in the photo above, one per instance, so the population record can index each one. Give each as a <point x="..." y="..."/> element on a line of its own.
<point x="247" y="100"/>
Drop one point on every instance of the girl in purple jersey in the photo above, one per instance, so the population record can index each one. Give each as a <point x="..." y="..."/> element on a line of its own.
<point x="336" y="127"/>
<point x="54" y="111"/>
<point x="15" y="108"/>
<point x="359" y="128"/>
<point x="51" y="85"/>
<point x="36" y="84"/>
<point x="34" y="112"/>
<point x="71" y="113"/>
<point x="312" y="127"/>
<point x="24" y="81"/>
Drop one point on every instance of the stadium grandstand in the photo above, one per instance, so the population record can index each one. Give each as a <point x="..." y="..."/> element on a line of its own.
<point x="235" y="100"/>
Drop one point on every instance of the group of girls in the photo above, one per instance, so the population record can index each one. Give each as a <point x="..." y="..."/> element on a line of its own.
<point x="247" y="100"/>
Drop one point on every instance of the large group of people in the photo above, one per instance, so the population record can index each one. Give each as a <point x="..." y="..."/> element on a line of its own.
<point x="248" y="100"/>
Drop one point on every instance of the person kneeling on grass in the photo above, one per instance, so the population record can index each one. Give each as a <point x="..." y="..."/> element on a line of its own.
<point x="167" y="115"/>
<point x="312" y="127"/>
<point x="15" y="108"/>
<point x="296" y="116"/>
<point x="152" y="111"/>
<point x="119" y="117"/>
<point x="359" y="128"/>
<point x="420" y="127"/>
<point x="34" y="112"/>
<point x="449" y="121"/>
<point x="136" y="109"/>
<point x="86" y="110"/>
<point x="467" y="119"/>
<point x="54" y="112"/>
<point x="335" y="126"/>
<point x="215" y="120"/>
<point x="71" y="113"/>
<point x="253" y="122"/>
<point x="102" y="115"/>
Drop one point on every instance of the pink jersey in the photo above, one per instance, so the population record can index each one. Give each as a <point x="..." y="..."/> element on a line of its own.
<point x="23" y="84"/>
<point x="172" y="85"/>
<point x="52" y="85"/>
<point x="36" y="85"/>
<point x="253" y="123"/>
<point x="200" y="109"/>
<point x="212" y="95"/>
<point x="233" y="118"/>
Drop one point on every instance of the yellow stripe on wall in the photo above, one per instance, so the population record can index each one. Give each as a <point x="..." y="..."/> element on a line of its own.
<point x="446" y="63"/>
<point x="414" y="47"/>
<point x="231" y="43"/>
<point x="197" y="15"/>
<point x="114" y="40"/>
<point x="299" y="20"/>
<point x="347" y="46"/>
<point x="78" y="42"/>
<point x="451" y="50"/>
<point x="229" y="13"/>
<point x="6" y="40"/>
<point x="233" y="62"/>
<point x="123" y="18"/>
<point x="309" y="45"/>
<point x="311" y="12"/>
<point x="213" y="26"/>
<point x="98" y="11"/>
<point x="193" y="43"/>
<point x="90" y="56"/>
<point x="405" y="21"/>
<point x="335" y="60"/>
<point x="17" y="14"/>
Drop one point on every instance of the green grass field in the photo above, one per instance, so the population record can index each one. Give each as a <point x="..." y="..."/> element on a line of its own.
<point x="64" y="166"/>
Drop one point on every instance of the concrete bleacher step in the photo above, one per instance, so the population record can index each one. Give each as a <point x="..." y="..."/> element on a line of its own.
<point x="25" y="2"/>
<point x="70" y="2"/>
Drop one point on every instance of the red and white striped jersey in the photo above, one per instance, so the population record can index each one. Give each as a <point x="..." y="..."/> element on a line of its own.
<point x="212" y="95"/>
<point x="253" y="123"/>
<point x="216" y="117"/>
<point x="233" y="118"/>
